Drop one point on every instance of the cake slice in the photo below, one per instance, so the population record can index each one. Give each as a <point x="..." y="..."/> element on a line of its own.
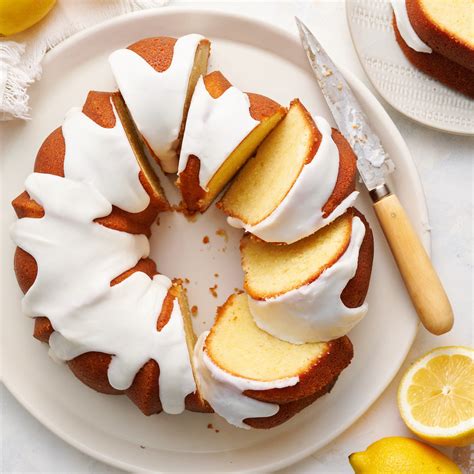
<point x="302" y="178"/>
<point x="223" y="129"/>
<point x="446" y="26"/>
<point x="424" y="57"/>
<point x="312" y="290"/>
<point x="156" y="77"/>
<point x="245" y="373"/>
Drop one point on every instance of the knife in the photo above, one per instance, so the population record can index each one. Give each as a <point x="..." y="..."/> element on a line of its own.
<point x="421" y="280"/>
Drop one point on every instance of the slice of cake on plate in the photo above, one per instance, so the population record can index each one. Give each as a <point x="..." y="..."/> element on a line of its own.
<point x="156" y="77"/>
<point x="312" y="290"/>
<point x="223" y="129"/>
<point x="253" y="379"/>
<point x="301" y="179"/>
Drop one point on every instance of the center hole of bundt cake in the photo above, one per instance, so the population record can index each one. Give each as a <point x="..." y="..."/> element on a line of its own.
<point x="203" y="251"/>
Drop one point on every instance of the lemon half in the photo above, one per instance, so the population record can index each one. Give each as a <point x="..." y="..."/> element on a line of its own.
<point x="436" y="396"/>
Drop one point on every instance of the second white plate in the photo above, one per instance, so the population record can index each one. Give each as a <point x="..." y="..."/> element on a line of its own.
<point x="401" y="84"/>
<point x="256" y="57"/>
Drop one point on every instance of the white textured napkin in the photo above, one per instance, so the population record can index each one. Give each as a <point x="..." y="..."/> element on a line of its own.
<point x="21" y="54"/>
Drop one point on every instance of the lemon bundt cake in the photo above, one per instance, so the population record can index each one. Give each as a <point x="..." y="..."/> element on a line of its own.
<point x="437" y="37"/>
<point x="223" y="129"/>
<point x="75" y="219"/>
<point x="251" y="378"/>
<point x="97" y="298"/>
<point x="312" y="290"/>
<point x="302" y="178"/>
<point x="156" y="77"/>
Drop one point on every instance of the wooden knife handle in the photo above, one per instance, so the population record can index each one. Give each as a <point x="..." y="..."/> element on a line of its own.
<point x="422" y="282"/>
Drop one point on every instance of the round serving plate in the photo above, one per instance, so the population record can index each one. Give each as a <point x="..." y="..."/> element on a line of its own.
<point x="256" y="57"/>
<point x="407" y="89"/>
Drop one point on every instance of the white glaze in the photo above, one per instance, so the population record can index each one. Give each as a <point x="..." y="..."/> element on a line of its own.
<point x="214" y="129"/>
<point x="406" y="29"/>
<point x="77" y="259"/>
<point x="103" y="158"/>
<point x="315" y="312"/>
<point x="224" y="391"/>
<point x="156" y="99"/>
<point x="300" y="212"/>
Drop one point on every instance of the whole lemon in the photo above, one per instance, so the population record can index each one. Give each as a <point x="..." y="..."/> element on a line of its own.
<point x="18" y="15"/>
<point x="397" y="455"/>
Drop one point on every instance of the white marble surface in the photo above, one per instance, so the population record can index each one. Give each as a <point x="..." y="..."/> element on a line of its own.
<point x="445" y="163"/>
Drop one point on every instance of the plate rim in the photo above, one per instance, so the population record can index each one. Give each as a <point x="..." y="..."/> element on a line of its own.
<point x="420" y="204"/>
<point x="430" y="125"/>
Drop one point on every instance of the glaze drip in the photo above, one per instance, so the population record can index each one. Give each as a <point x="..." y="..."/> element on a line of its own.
<point x="86" y="141"/>
<point x="406" y="29"/>
<point x="214" y="129"/>
<point x="156" y="99"/>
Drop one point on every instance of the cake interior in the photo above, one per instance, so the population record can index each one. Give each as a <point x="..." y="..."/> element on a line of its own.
<point x="272" y="269"/>
<point x="138" y="149"/>
<point x="238" y="157"/>
<point x="238" y="346"/>
<point x="455" y="17"/>
<point x="190" y="335"/>
<point x="267" y="177"/>
<point x="199" y="69"/>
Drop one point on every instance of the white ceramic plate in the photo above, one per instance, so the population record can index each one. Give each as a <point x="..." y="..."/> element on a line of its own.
<point x="402" y="85"/>
<point x="256" y="57"/>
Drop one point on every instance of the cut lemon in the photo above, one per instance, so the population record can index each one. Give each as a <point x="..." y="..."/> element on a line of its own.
<point x="436" y="396"/>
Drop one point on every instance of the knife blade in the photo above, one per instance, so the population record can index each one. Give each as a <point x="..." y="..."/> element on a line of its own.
<point x="421" y="280"/>
<point x="373" y="162"/>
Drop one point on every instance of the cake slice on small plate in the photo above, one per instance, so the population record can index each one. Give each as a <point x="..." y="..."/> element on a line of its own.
<point x="437" y="37"/>
<point x="446" y="26"/>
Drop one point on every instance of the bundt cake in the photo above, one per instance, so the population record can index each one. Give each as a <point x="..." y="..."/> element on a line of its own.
<point x="251" y="378"/>
<point x="156" y="77"/>
<point x="302" y="178"/>
<point x="437" y="37"/>
<point x="76" y="221"/>
<point x="82" y="249"/>
<point x="312" y="290"/>
<point x="223" y="129"/>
